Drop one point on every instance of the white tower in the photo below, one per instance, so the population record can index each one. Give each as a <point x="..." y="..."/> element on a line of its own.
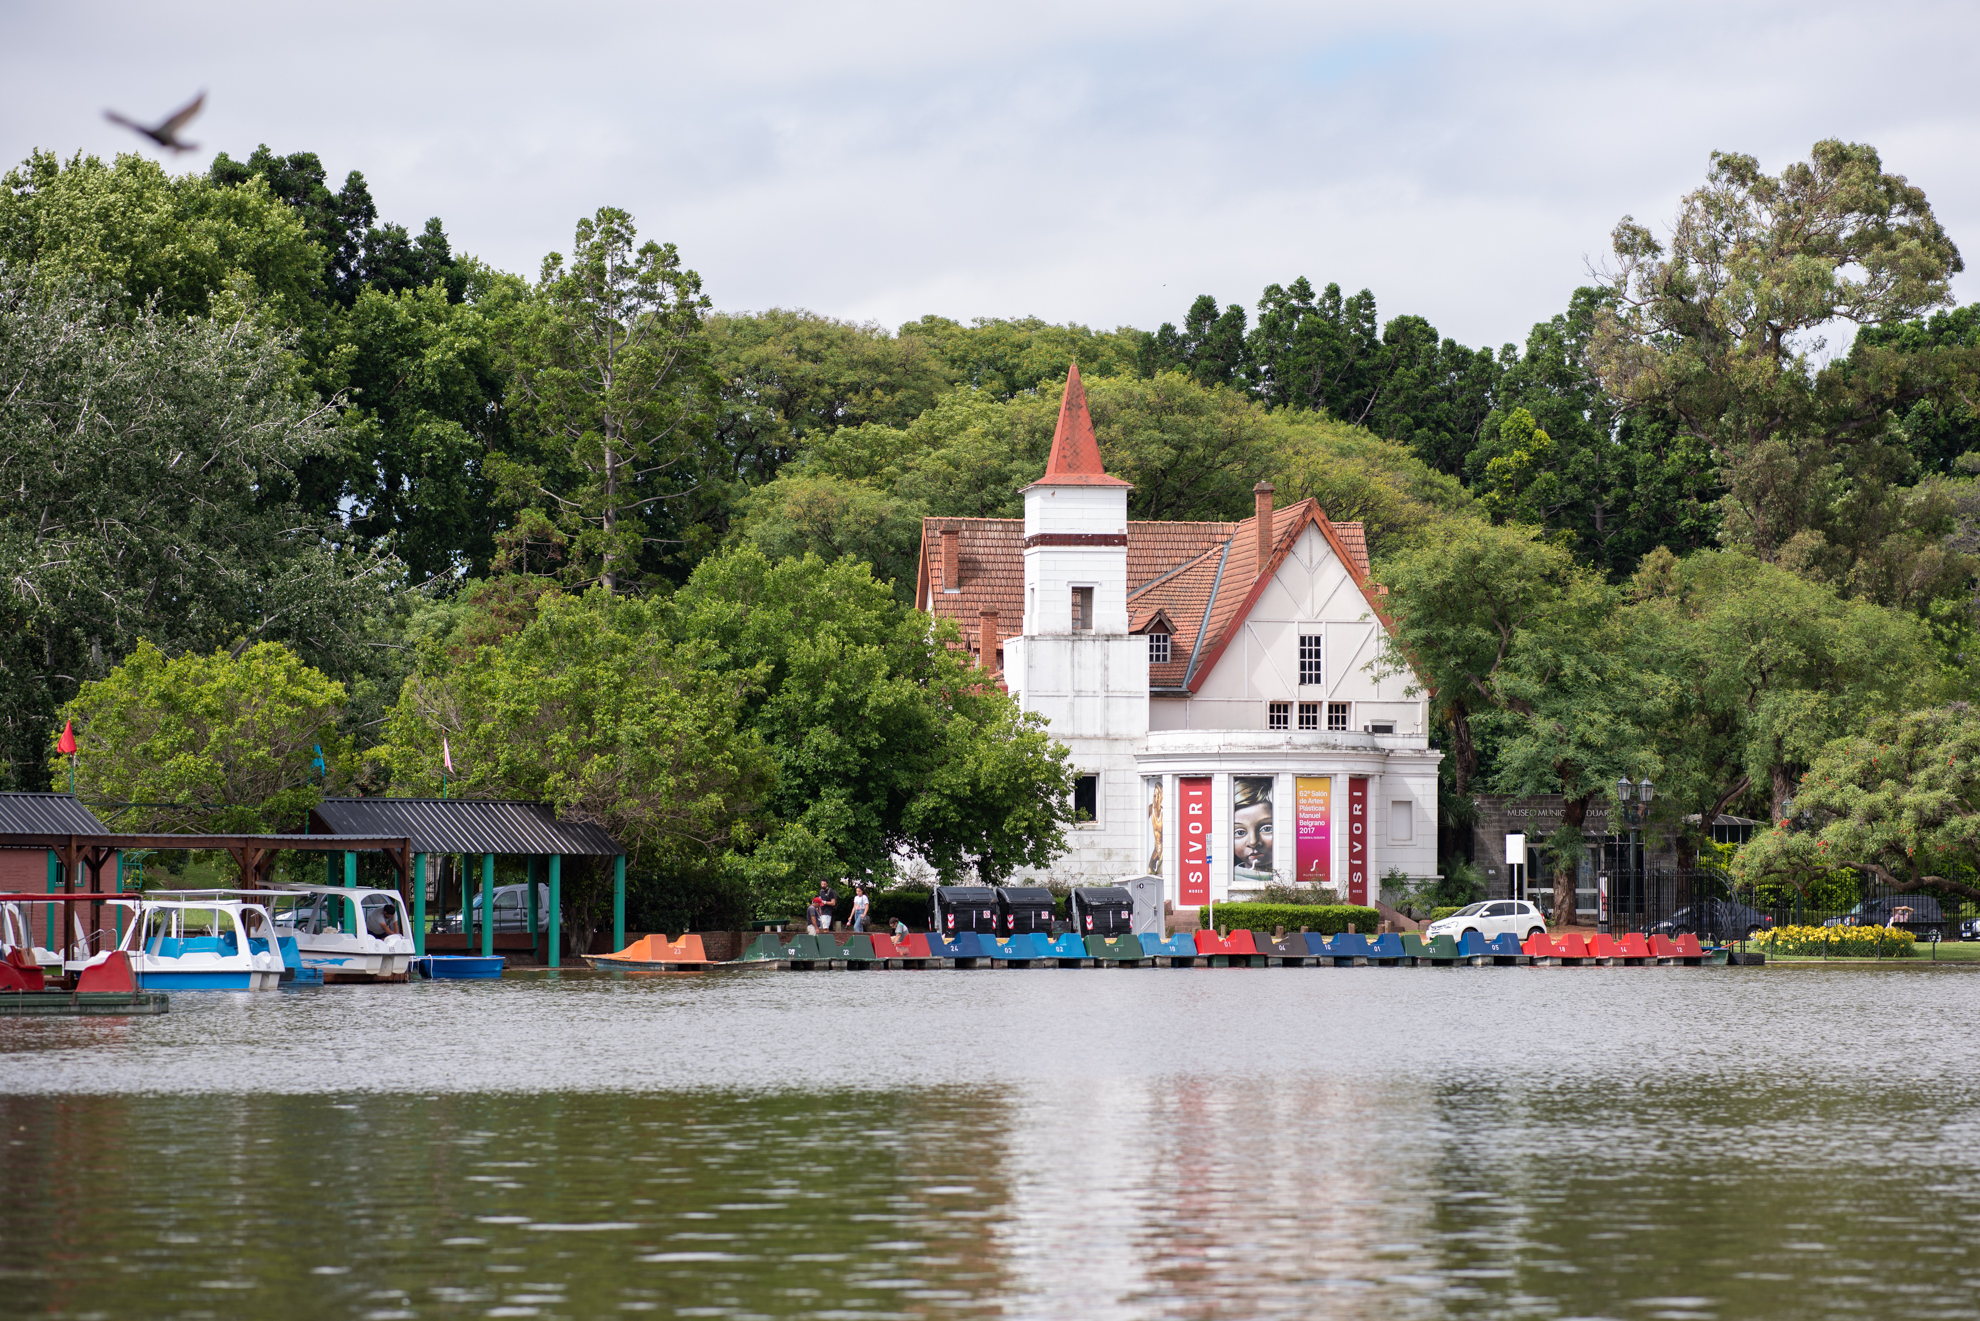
<point x="1076" y="664"/>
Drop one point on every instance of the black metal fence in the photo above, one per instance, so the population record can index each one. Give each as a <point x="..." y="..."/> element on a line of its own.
<point x="1707" y="903"/>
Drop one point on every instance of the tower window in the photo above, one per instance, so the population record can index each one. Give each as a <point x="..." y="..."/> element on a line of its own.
<point x="1311" y="670"/>
<point x="1158" y="648"/>
<point x="1278" y="715"/>
<point x="1086" y="798"/>
<point x="1309" y="715"/>
<point x="1082" y="607"/>
<point x="1337" y="716"/>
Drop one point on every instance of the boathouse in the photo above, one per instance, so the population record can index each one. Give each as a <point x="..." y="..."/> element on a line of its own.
<point x="455" y="844"/>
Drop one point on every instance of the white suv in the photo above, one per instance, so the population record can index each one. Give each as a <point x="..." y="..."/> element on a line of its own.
<point x="1496" y="917"/>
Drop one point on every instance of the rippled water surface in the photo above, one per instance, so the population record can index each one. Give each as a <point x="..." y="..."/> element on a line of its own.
<point x="1779" y="1142"/>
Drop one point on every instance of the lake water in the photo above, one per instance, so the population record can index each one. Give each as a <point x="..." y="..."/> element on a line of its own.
<point x="1640" y="1143"/>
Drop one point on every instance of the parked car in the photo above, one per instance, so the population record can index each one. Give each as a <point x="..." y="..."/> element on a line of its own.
<point x="1919" y="914"/>
<point x="1970" y="929"/>
<point x="511" y="909"/>
<point x="1724" y="919"/>
<point x="1495" y="917"/>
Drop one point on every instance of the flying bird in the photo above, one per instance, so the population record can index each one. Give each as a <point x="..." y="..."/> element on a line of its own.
<point x="165" y="134"/>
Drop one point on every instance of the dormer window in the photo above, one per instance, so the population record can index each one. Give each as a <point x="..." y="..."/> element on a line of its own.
<point x="1082" y="608"/>
<point x="1158" y="648"/>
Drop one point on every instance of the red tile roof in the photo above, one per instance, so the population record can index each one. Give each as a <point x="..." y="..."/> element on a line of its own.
<point x="1075" y="459"/>
<point x="1186" y="571"/>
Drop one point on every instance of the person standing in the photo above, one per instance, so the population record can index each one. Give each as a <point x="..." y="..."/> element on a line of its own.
<point x="859" y="908"/>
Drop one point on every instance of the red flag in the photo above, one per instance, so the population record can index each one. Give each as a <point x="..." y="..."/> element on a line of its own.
<point x="66" y="745"/>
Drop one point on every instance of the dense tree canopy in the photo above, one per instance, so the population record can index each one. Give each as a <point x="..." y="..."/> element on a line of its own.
<point x="1664" y="531"/>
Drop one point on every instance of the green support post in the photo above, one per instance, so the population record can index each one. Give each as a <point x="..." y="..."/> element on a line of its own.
<point x="54" y="882"/>
<point x="419" y="904"/>
<point x="487" y="905"/>
<point x="350" y="871"/>
<point x="535" y="865"/>
<point x="330" y="868"/>
<point x="556" y="910"/>
<point x="619" y="903"/>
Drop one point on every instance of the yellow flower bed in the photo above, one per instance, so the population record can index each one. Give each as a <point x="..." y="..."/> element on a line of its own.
<point x="1838" y="942"/>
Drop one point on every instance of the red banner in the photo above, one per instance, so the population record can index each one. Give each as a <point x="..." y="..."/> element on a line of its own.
<point x="1193" y="830"/>
<point x="1357" y="839"/>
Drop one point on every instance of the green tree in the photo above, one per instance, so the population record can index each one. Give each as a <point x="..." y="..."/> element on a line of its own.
<point x="172" y="240"/>
<point x="885" y="738"/>
<point x="1210" y="348"/>
<point x="1616" y="482"/>
<point x="834" y="518"/>
<point x="1460" y="597"/>
<point x="1719" y="331"/>
<point x="149" y="460"/>
<point x="611" y="390"/>
<point x="590" y="706"/>
<point x="1900" y="801"/>
<point x="222" y="743"/>
<point x="1766" y="670"/>
<point x="1009" y="357"/>
<point x="422" y="388"/>
<point x="1573" y="710"/>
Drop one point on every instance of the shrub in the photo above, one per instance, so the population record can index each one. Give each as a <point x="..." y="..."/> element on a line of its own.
<point x="1838" y="942"/>
<point x="1439" y="914"/>
<point x="911" y="906"/>
<point x="1327" y="919"/>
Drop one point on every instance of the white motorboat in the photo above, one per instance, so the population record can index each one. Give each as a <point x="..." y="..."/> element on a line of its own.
<point x="212" y="940"/>
<point x="347" y="933"/>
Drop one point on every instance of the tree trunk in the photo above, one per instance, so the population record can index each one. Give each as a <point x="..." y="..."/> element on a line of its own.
<point x="1566" y="872"/>
<point x="1783" y="790"/>
<point x="1464" y="753"/>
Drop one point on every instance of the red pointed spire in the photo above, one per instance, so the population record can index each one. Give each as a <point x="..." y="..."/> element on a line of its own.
<point x="1075" y="457"/>
<point x="66" y="745"/>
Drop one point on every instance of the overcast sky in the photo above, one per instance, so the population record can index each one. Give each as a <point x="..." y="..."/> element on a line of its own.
<point x="1102" y="163"/>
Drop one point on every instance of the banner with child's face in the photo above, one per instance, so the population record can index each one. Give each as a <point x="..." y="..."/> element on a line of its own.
<point x="1251" y="828"/>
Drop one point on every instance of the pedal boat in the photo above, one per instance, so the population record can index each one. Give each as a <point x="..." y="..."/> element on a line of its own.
<point x="200" y="941"/>
<point x="346" y="933"/>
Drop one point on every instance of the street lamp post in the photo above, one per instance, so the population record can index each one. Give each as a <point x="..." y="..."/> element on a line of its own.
<point x="1633" y="813"/>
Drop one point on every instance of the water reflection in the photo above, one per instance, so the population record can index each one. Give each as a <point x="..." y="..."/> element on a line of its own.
<point x="1697" y="1147"/>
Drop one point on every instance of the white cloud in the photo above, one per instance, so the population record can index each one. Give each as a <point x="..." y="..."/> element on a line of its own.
<point x="1094" y="162"/>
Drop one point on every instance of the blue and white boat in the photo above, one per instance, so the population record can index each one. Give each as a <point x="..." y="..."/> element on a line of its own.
<point x="346" y="933"/>
<point x="190" y="940"/>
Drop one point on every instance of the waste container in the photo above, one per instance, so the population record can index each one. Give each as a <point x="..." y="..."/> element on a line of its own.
<point x="1102" y="911"/>
<point x="964" y="908"/>
<point x="1023" y="909"/>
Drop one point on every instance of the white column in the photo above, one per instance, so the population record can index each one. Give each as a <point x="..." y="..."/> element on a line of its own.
<point x="1221" y="866"/>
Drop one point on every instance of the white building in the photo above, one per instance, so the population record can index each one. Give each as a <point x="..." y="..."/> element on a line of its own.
<point x="1212" y="681"/>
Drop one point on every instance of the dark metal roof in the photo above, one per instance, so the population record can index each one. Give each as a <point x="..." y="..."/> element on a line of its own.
<point x="47" y="814"/>
<point x="465" y="825"/>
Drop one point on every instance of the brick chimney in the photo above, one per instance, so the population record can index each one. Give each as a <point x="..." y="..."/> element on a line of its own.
<point x="986" y="642"/>
<point x="1261" y="496"/>
<point x="950" y="580"/>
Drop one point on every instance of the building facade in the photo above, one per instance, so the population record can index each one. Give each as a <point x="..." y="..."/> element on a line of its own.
<point x="1224" y="688"/>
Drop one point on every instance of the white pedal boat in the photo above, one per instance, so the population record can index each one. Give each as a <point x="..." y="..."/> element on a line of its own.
<point x="200" y="941"/>
<point x="347" y="933"/>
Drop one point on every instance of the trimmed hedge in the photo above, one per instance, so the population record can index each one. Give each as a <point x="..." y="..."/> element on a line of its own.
<point x="1838" y="942"/>
<point x="1439" y="914"/>
<point x="1327" y="919"/>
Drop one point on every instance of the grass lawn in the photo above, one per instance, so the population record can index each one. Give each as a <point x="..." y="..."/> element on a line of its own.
<point x="1950" y="951"/>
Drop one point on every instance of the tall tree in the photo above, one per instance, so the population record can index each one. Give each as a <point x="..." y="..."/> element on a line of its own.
<point x="1719" y="329"/>
<point x="149" y="463"/>
<point x="1460" y="597"/>
<point x="610" y="383"/>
